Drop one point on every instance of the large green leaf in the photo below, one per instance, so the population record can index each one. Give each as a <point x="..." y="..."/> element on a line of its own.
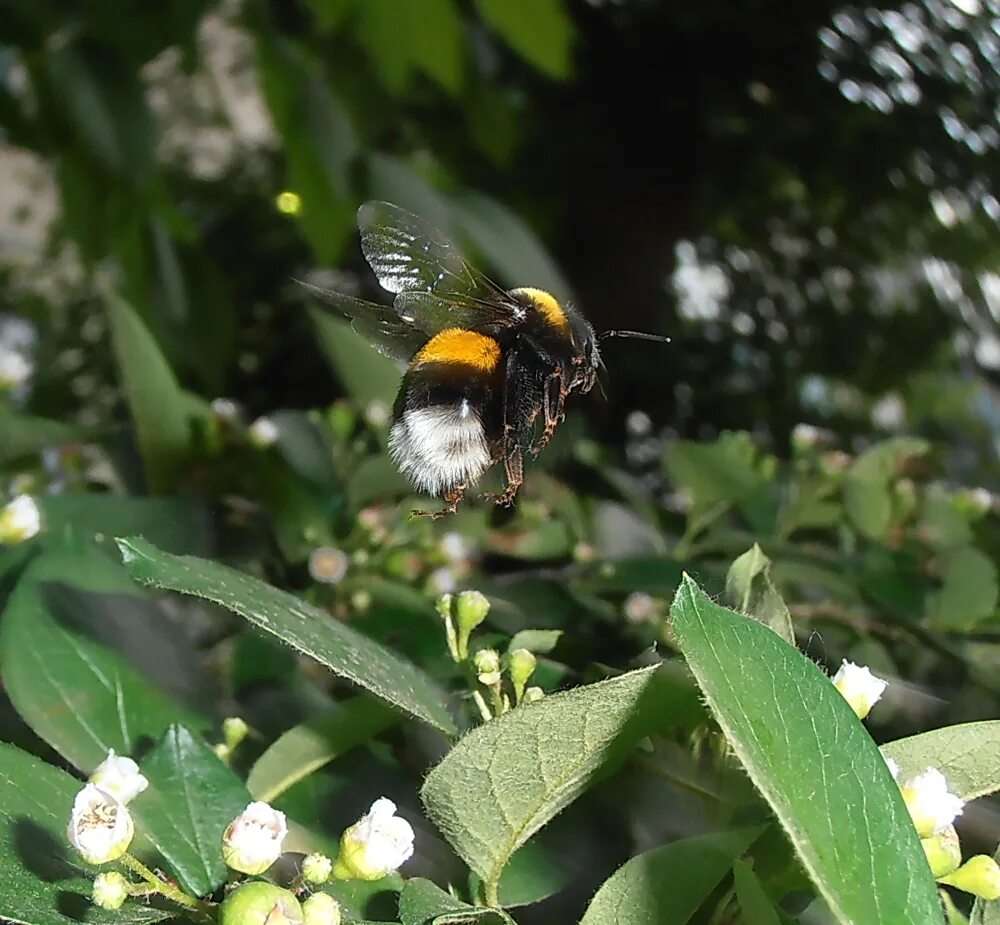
<point x="755" y="904"/>
<point x="813" y="761"/>
<point x="666" y="886"/>
<point x="968" y="595"/>
<point x="75" y="692"/>
<point x="509" y="777"/>
<point x="307" y="629"/>
<point x="968" y="755"/>
<point x="307" y="747"/>
<point x="538" y="30"/>
<point x="159" y="412"/>
<point x="192" y="797"/>
<point x="42" y="880"/>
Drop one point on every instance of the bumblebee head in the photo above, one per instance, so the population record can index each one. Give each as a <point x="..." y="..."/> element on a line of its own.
<point x="587" y="356"/>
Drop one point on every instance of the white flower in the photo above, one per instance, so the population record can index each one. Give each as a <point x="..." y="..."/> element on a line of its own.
<point x="639" y="607"/>
<point x="119" y="776"/>
<point x="15" y="369"/>
<point x="932" y="807"/>
<point x="264" y="433"/>
<point x="252" y="841"/>
<point x="456" y="548"/>
<point x="100" y="826"/>
<point x="328" y="565"/>
<point x="442" y="581"/>
<point x="378" y="844"/>
<point x="226" y="410"/>
<point x="891" y="765"/>
<point x="377" y="413"/>
<point x="20" y="520"/>
<point x="861" y="689"/>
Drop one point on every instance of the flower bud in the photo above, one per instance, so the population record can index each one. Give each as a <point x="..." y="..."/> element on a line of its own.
<point x="522" y="667"/>
<point x="263" y="433"/>
<point x="376" y="845"/>
<point x="252" y="841"/>
<point x="944" y="853"/>
<point x="100" y="826"/>
<point x="234" y="731"/>
<point x="20" y="520"/>
<point x="487" y="665"/>
<point x="470" y="610"/>
<point x="316" y="868"/>
<point x="321" y="909"/>
<point x="932" y="807"/>
<point x="119" y="776"/>
<point x="260" y="903"/>
<point x="110" y="890"/>
<point x="980" y="876"/>
<point x="861" y="689"/>
<point x="328" y="565"/>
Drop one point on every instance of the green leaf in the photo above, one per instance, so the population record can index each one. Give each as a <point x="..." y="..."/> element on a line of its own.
<point x="506" y="779"/>
<point x="159" y="413"/>
<point x="968" y="595"/>
<point x="175" y="524"/>
<point x="813" y="761"/>
<point x="42" y="880"/>
<point x="667" y="885"/>
<point x="307" y="629"/>
<point x="424" y="903"/>
<point x="511" y="247"/>
<point x="541" y="642"/>
<point x="867" y="497"/>
<point x="968" y="755"/>
<point x="750" y="590"/>
<point x="310" y="745"/>
<point x="24" y="434"/>
<point x="984" y="911"/>
<point x="192" y="797"/>
<point x="76" y="694"/>
<point x="538" y="30"/>
<point x="437" y="44"/>
<point x="757" y="909"/>
<point x="363" y="371"/>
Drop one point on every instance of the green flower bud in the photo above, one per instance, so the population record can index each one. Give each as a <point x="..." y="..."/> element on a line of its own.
<point x="471" y="609"/>
<point x="234" y="731"/>
<point x="943" y="851"/>
<point x="533" y="695"/>
<point x="316" y="868"/>
<point x="522" y="667"/>
<point x="321" y="909"/>
<point x="487" y="665"/>
<point x="260" y="903"/>
<point x="110" y="890"/>
<point x="979" y="876"/>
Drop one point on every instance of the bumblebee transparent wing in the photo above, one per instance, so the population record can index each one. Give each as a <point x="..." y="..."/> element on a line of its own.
<point x="411" y="255"/>
<point x="433" y="312"/>
<point x="380" y="325"/>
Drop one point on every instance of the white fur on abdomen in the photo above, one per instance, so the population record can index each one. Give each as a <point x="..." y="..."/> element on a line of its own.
<point x="440" y="447"/>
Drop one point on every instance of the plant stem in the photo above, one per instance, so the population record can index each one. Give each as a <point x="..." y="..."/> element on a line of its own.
<point x="491" y="892"/>
<point x="201" y="909"/>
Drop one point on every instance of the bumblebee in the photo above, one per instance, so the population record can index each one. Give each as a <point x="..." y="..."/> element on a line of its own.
<point x="488" y="370"/>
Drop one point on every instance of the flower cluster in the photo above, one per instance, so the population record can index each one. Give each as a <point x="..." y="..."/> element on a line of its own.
<point x="932" y="806"/>
<point x="101" y="830"/>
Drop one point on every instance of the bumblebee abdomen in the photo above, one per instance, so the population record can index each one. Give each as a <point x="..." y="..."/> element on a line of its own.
<point x="440" y="433"/>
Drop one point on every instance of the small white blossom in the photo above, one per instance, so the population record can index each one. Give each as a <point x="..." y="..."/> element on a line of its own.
<point x="328" y="565"/>
<point x="20" y="520"/>
<point x="252" y="841"/>
<point x="226" y="410"/>
<point x="639" y="607"/>
<point x="861" y="689"/>
<point x="378" y="844"/>
<point x="456" y="548"/>
<point x="100" y="827"/>
<point x="932" y="806"/>
<point x="891" y="765"/>
<point x="119" y="776"/>
<point x="15" y="369"/>
<point x="377" y="413"/>
<point x="264" y="432"/>
<point x="442" y="581"/>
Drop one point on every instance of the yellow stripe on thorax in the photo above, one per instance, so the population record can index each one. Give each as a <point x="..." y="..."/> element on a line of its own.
<point x="546" y="303"/>
<point x="456" y="345"/>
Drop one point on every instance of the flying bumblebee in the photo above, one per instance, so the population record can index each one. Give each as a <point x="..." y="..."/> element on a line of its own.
<point x="483" y="365"/>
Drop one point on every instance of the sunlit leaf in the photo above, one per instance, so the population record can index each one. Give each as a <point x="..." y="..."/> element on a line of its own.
<point x="538" y="30"/>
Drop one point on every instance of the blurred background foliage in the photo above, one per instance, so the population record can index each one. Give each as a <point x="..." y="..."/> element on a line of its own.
<point x="802" y="195"/>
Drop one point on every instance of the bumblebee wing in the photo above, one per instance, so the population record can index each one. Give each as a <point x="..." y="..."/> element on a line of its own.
<point x="380" y="325"/>
<point x="433" y="312"/>
<point x="411" y="255"/>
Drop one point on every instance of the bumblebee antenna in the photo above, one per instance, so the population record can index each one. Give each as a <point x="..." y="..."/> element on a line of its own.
<point x="638" y="335"/>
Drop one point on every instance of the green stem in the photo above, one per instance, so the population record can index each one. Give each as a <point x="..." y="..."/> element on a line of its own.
<point x="201" y="909"/>
<point x="491" y="890"/>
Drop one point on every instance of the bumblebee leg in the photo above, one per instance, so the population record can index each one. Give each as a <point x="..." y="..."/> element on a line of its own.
<point x="452" y="499"/>
<point x="553" y="402"/>
<point x="513" y="467"/>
